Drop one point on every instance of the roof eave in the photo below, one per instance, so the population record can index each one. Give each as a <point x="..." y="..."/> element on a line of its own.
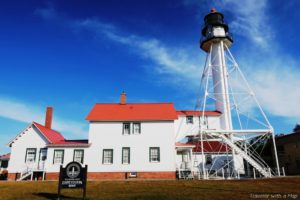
<point x="69" y="145"/>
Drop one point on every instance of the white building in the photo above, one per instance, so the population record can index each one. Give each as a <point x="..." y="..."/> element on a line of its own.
<point x="126" y="140"/>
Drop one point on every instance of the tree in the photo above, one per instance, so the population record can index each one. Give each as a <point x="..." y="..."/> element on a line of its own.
<point x="297" y="128"/>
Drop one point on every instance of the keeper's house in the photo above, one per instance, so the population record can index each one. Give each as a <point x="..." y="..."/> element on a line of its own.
<point x="126" y="140"/>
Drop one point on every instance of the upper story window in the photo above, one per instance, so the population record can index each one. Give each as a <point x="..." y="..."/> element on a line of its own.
<point x="131" y="128"/>
<point x="126" y="128"/>
<point x="189" y="119"/>
<point x="107" y="156"/>
<point x="154" y="154"/>
<point x="30" y="155"/>
<point x="78" y="155"/>
<point x="58" y="157"/>
<point x="136" y="127"/>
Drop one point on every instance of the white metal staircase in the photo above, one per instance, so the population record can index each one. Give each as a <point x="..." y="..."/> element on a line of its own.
<point x="258" y="164"/>
<point x="25" y="174"/>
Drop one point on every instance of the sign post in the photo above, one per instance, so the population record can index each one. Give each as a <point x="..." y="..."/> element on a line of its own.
<point x="72" y="176"/>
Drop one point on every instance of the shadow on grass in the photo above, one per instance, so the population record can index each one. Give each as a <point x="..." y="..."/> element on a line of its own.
<point x="53" y="196"/>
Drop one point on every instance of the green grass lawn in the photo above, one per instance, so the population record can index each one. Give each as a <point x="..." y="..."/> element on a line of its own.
<point x="155" y="190"/>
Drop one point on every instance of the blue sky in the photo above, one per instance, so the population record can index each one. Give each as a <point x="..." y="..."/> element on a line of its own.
<point x="72" y="54"/>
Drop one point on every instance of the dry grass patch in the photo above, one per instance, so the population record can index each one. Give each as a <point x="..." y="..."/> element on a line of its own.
<point x="154" y="190"/>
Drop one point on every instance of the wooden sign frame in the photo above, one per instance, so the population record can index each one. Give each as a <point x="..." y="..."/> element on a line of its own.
<point x="72" y="176"/>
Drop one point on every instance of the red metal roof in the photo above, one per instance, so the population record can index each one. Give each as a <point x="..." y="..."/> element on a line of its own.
<point x="56" y="139"/>
<point x="198" y="113"/>
<point x="5" y="156"/>
<point x="132" y="112"/>
<point x="179" y="144"/>
<point x="51" y="135"/>
<point x="210" y="147"/>
<point x="81" y="143"/>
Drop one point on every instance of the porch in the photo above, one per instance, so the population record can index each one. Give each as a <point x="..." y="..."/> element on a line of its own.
<point x="184" y="161"/>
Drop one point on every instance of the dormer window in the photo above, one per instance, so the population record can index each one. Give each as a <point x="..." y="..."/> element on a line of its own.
<point x="189" y="119"/>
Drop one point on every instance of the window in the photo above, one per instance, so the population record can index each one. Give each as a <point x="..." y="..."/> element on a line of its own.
<point x="107" y="156"/>
<point x="78" y="155"/>
<point x="136" y="127"/>
<point x="43" y="154"/>
<point x="30" y="155"/>
<point x="126" y="128"/>
<point x="189" y="120"/>
<point x="203" y="121"/>
<point x="208" y="160"/>
<point x="154" y="154"/>
<point x="125" y="155"/>
<point x="58" y="157"/>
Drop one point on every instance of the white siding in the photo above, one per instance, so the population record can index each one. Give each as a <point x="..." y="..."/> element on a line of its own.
<point x="108" y="135"/>
<point x="68" y="157"/>
<point x="30" y="139"/>
<point x="182" y="128"/>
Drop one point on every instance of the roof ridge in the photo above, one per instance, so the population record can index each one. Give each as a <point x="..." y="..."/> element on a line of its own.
<point x="46" y="127"/>
<point x="138" y="103"/>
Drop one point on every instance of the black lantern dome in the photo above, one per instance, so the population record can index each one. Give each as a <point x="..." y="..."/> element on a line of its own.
<point x="215" y="29"/>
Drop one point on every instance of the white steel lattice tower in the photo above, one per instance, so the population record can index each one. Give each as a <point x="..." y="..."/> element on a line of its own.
<point x="224" y="84"/>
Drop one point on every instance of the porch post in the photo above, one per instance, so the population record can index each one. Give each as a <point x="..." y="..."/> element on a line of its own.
<point x="192" y="161"/>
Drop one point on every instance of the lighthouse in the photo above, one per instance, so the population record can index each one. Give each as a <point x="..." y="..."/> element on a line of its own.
<point x="215" y="36"/>
<point x="242" y="122"/>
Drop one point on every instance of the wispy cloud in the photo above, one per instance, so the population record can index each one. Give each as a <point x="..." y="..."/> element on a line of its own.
<point x="180" y="63"/>
<point x="275" y="86"/>
<point x="25" y="112"/>
<point x="250" y="19"/>
<point x="174" y="61"/>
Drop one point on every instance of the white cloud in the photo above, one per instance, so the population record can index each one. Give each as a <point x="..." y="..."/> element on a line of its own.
<point x="250" y="19"/>
<point x="24" y="112"/>
<point x="276" y="87"/>
<point x="179" y="62"/>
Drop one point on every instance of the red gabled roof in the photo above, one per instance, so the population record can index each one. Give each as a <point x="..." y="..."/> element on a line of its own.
<point x="198" y="113"/>
<point x="51" y="135"/>
<point x="210" y="147"/>
<point x="132" y="112"/>
<point x="73" y="143"/>
<point x="179" y="144"/>
<point x="5" y="156"/>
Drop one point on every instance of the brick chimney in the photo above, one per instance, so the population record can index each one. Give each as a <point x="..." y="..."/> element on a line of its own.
<point x="123" y="98"/>
<point x="48" y="119"/>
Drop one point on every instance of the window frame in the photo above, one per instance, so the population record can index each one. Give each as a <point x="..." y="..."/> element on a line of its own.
<point x="82" y="158"/>
<point x="208" y="159"/>
<point x="129" y="128"/>
<point x="27" y="149"/>
<point x="63" y="155"/>
<point x="190" y="119"/>
<point x="127" y="148"/>
<point x="158" y="155"/>
<point x="112" y="156"/>
<point x="40" y="153"/>
<point x="140" y="127"/>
